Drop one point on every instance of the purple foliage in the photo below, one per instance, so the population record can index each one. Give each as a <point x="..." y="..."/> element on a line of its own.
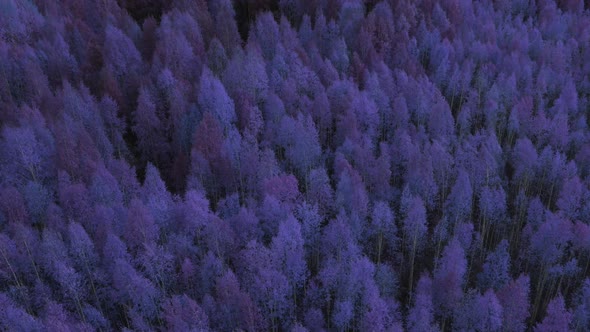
<point x="496" y="269"/>
<point x="214" y="99"/>
<point x="514" y="298"/>
<point x="449" y="277"/>
<point x="197" y="165"/>
<point x="479" y="312"/>
<point x="558" y="318"/>
<point x="421" y="314"/>
<point x="460" y="199"/>
<point x="414" y="225"/>
<point x="287" y="252"/>
<point x="182" y="313"/>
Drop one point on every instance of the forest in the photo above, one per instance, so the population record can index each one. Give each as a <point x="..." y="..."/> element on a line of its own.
<point x="294" y="165"/>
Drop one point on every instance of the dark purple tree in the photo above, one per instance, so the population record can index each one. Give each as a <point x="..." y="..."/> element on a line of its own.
<point x="492" y="206"/>
<point x="134" y="292"/>
<point x="213" y="99"/>
<point x="383" y="230"/>
<point x="414" y="230"/>
<point x="449" y="277"/>
<point x="582" y="310"/>
<point x="351" y="195"/>
<point x="421" y="314"/>
<point x="459" y="202"/>
<point x="148" y="127"/>
<point x="319" y="190"/>
<point x="216" y="57"/>
<point x="245" y="73"/>
<point x="558" y="318"/>
<point x="299" y="139"/>
<point x="235" y="308"/>
<point x="570" y="196"/>
<point x="514" y="298"/>
<point x="179" y="45"/>
<point x="182" y="313"/>
<point x="27" y="155"/>
<point x="310" y="220"/>
<point x="479" y="312"/>
<point x="14" y="317"/>
<point x="246" y="226"/>
<point x="288" y="255"/>
<point x="496" y="269"/>
<point x="156" y="197"/>
<point x="104" y="189"/>
<point x="140" y="229"/>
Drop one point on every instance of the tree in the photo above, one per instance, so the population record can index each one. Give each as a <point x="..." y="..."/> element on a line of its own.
<point x="140" y="228"/>
<point x="182" y="313"/>
<point x="421" y="314"/>
<point x="81" y="249"/>
<point x="299" y="139"/>
<point x="56" y="263"/>
<point x="479" y="312"/>
<point x="420" y="176"/>
<point x="284" y="188"/>
<point x="13" y="206"/>
<point x="342" y="315"/>
<point x="582" y="310"/>
<point x="449" y="276"/>
<point x="120" y="52"/>
<point x="13" y="317"/>
<point x="179" y="45"/>
<point x="156" y="197"/>
<point x="73" y="198"/>
<point x="338" y="241"/>
<point x="235" y="308"/>
<point x="570" y="198"/>
<point x="459" y="202"/>
<point x="351" y="195"/>
<point x="105" y="189"/>
<point x="271" y="212"/>
<point x="246" y="226"/>
<point x="245" y="73"/>
<point x="524" y="160"/>
<point x="122" y="66"/>
<point x="27" y="155"/>
<point x="414" y="230"/>
<point x="266" y="33"/>
<point x="125" y="176"/>
<point x="441" y="123"/>
<point x="216" y="57"/>
<point x="288" y="255"/>
<point x="224" y="24"/>
<point x="496" y="269"/>
<point x="492" y="205"/>
<point x="381" y="32"/>
<point x="384" y="229"/>
<point x="547" y="244"/>
<point x="201" y="279"/>
<point x="319" y="190"/>
<point x="219" y="237"/>
<point x="209" y="160"/>
<point x="310" y="219"/>
<point x="114" y="125"/>
<point x="37" y="197"/>
<point x="214" y="99"/>
<point x="149" y="129"/>
<point x="558" y="317"/>
<point x="194" y="213"/>
<point x="130" y="289"/>
<point x="514" y="298"/>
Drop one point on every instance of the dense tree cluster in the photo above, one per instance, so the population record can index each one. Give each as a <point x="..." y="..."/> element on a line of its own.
<point x="195" y="165"/>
